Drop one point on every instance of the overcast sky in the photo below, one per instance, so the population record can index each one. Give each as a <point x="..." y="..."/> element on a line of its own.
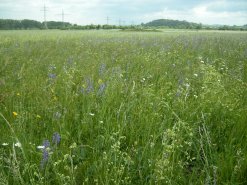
<point x="231" y="12"/>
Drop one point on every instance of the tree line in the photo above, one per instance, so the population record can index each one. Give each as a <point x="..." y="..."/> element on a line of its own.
<point x="10" y="24"/>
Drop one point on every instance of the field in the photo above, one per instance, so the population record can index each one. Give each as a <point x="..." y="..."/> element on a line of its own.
<point x="111" y="107"/>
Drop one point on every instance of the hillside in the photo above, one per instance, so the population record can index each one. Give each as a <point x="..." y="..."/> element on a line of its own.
<point x="172" y="24"/>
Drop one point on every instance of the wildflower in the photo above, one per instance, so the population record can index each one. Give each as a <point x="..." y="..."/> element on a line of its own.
<point x="91" y="114"/>
<point x="101" y="89"/>
<point x="202" y="61"/>
<point x="102" y="69"/>
<point x="52" y="76"/>
<point x="70" y="61"/>
<point x="82" y="90"/>
<point x="18" y="94"/>
<point x="74" y="145"/>
<point x="180" y="81"/>
<point x="196" y="75"/>
<point x="46" y="144"/>
<point x="52" y="67"/>
<point x="5" y="144"/>
<point x="101" y="122"/>
<point x="100" y="81"/>
<point x="56" y="138"/>
<point x="89" y="85"/>
<point x="178" y="94"/>
<point x="40" y="147"/>
<point x="18" y="144"/>
<point x="45" y="155"/>
<point x="57" y="115"/>
<point x="187" y="85"/>
<point x="15" y="114"/>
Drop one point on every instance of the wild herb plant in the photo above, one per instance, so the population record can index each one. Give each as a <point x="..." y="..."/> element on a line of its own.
<point x="96" y="107"/>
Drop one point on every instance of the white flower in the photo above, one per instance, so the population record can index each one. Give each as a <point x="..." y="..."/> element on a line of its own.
<point x="196" y="75"/>
<point x="187" y="85"/>
<point x="18" y="144"/>
<point x="5" y="144"/>
<point x="91" y="114"/>
<point x="202" y="61"/>
<point x="40" y="147"/>
<point x="101" y="122"/>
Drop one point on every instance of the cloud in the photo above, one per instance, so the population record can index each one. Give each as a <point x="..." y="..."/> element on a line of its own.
<point x="96" y="11"/>
<point x="206" y="13"/>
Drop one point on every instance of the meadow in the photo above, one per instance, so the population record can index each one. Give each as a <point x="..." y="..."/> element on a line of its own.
<point x="111" y="107"/>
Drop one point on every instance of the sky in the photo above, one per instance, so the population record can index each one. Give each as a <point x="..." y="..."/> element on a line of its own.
<point x="125" y="12"/>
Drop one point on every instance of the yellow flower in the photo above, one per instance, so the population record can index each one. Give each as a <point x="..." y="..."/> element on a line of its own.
<point x="100" y="81"/>
<point x="38" y="116"/>
<point x="18" y="94"/>
<point x="15" y="114"/>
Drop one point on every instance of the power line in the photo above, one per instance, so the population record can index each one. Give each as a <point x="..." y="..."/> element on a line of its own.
<point x="107" y="20"/>
<point x="44" y="9"/>
<point x="63" y="15"/>
<point x="119" y="22"/>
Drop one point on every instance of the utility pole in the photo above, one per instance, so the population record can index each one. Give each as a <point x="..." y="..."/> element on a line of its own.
<point x="44" y="9"/>
<point x="119" y="22"/>
<point x="63" y="14"/>
<point x="107" y="20"/>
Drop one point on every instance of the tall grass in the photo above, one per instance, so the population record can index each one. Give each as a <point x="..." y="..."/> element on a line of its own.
<point x="123" y="108"/>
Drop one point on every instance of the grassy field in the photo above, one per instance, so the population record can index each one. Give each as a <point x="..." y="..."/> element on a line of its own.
<point x="99" y="107"/>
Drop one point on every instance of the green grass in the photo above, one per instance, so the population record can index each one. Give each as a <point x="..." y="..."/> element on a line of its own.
<point x="131" y="108"/>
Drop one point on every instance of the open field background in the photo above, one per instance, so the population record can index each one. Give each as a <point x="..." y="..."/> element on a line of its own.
<point x="99" y="107"/>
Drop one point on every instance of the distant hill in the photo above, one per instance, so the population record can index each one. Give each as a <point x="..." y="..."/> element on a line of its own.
<point x="173" y="24"/>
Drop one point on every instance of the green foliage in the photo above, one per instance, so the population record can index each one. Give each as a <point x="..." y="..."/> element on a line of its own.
<point x="8" y="24"/>
<point x="108" y="107"/>
<point x="58" y="25"/>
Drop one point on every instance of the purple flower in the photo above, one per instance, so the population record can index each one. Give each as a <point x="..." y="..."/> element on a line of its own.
<point x="102" y="69"/>
<point x="180" y="81"/>
<point x="45" y="158"/>
<point x="56" y="138"/>
<point x="178" y="94"/>
<point x="45" y="155"/>
<point x="82" y="90"/>
<point x="101" y="89"/>
<point x="52" y="76"/>
<point x="46" y="144"/>
<point x="89" y="85"/>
